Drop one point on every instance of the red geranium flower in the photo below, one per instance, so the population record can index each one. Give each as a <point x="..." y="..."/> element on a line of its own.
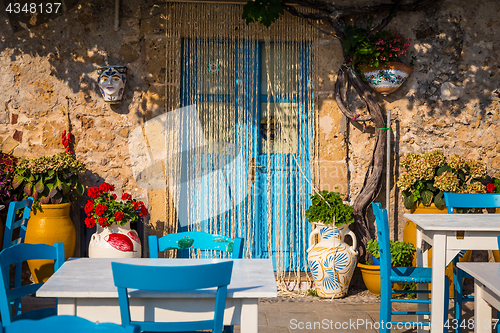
<point x="105" y="187"/>
<point x="90" y="222"/>
<point x="89" y="207"/>
<point x="119" y="216"/>
<point x="93" y="192"/>
<point x="103" y="222"/>
<point x="490" y="188"/>
<point x="104" y="208"/>
<point x="100" y="209"/>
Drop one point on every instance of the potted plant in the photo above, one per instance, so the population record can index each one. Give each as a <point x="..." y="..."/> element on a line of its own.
<point x="331" y="260"/>
<point x="375" y="57"/>
<point x="114" y="238"/>
<point x="424" y="180"/>
<point x="426" y="176"/>
<point x="7" y="169"/>
<point x="402" y="254"/>
<point x="53" y="182"/>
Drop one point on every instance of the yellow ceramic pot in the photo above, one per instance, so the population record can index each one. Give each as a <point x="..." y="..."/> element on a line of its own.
<point x="371" y="277"/>
<point x="50" y="224"/>
<point x="410" y="236"/>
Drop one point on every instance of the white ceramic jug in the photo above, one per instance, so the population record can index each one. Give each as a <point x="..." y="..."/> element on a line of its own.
<point x="331" y="260"/>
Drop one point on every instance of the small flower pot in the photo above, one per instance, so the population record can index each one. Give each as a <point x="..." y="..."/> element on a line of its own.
<point x="386" y="79"/>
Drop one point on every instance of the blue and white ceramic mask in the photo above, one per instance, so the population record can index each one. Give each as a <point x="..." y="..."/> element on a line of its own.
<point x="111" y="82"/>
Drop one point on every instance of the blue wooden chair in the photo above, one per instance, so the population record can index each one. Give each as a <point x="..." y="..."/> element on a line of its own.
<point x="390" y="275"/>
<point x="195" y="240"/>
<point x="15" y="226"/>
<point x="466" y="200"/>
<point x="65" y="324"/>
<point x="173" y="278"/>
<point x="16" y="255"/>
<point x="12" y="223"/>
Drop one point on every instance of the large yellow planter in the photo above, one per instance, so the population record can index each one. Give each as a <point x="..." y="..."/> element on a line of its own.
<point x="410" y="235"/>
<point x="50" y="224"/>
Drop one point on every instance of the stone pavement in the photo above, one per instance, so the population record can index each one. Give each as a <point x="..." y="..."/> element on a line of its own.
<point x="290" y="313"/>
<point x="357" y="312"/>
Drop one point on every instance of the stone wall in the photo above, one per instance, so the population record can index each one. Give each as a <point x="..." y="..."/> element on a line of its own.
<point x="48" y="84"/>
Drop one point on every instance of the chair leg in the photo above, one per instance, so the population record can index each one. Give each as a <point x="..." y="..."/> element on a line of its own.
<point x="458" y="294"/>
<point x="228" y="329"/>
<point x="446" y="302"/>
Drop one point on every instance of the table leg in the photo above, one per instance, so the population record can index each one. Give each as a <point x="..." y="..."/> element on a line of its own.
<point x="438" y="284"/>
<point x="66" y="306"/>
<point x="482" y="310"/>
<point x="420" y="254"/>
<point x="249" y="321"/>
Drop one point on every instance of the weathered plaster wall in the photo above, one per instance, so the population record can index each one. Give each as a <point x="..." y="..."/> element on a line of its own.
<point x="48" y="84"/>
<point x="450" y="101"/>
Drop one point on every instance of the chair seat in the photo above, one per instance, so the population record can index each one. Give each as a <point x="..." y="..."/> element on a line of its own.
<point x="411" y="274"/>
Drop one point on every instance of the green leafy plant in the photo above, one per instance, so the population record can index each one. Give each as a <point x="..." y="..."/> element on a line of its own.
<point x="427" y="176"/>
<point x="366" y="50"/>
<point x="49" y="179"/>
<point x="312" y="292"/>
<point x="401" y="252"/>
<point x="328" y="208"/>
<point x="263" y="11"/>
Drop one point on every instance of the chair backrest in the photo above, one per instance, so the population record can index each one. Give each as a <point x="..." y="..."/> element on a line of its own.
<point x="173" y="278"/>
<point x="471" y="200"/>
<point x="16" y="255"/>
<point x="13" y="223"/>
<point x="64" y="324"/>
<point x="384" y="247"/>
<point x="195" y="240"/>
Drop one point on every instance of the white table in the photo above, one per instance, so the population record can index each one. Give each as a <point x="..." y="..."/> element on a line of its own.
<point x="448" y="234"/>
<point x="486" y="292"/>
<point x="84" y="287"/>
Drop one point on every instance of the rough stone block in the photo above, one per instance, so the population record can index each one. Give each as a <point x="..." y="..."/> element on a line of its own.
<point x="155" y="51"/>
<point x="18" y="136"/>
<point x="128" y="53"/>
<point x="4" y="116"/>
<point x="9" y="145"/>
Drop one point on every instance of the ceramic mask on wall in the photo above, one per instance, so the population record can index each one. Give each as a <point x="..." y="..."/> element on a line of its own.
<point x="111" y="82"/>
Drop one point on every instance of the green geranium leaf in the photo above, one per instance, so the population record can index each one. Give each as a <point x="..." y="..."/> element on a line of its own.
<point x="443" y="169"/>
<point x="439" y="201"/>
<point x="52" y="193"/>
<point x="44" y="200"/>
<point x="57" y="198"/>
<point x="39" y="187"/>
<point x="80" y="189"/>
<point x="65" y="188"/>
<point x="426" y="197"/>
<point x="409" y="201"/>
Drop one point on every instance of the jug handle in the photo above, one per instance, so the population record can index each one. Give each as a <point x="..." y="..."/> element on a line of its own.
<point x="311" y="245"/>
<point x="354" y="241"/>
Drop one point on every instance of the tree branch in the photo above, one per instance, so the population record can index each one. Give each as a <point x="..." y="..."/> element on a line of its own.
<point x="341" y="99"/>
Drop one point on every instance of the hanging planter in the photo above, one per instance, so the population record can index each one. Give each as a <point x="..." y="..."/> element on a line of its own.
<point x="387" y="78"/>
